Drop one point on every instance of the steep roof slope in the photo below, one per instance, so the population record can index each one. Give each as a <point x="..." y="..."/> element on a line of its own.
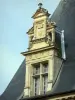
<point x="16" y="86"/>
<point x="64" y="16"/>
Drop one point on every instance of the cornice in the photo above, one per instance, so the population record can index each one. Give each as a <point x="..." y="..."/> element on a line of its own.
<point x="68" y="95"/>
<point x="38" y="50"/>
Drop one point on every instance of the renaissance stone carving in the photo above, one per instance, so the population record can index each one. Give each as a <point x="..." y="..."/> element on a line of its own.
<point x="37" y="55"/>
<point x="49" y="38"/>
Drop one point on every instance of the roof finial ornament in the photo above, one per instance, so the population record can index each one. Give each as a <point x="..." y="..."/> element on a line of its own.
<point x="40" y="3"/>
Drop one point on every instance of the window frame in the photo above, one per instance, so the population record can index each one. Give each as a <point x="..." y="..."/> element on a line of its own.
<point x="40" y="74"/>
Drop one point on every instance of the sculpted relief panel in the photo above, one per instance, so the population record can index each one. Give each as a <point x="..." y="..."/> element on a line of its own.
<point x="39" y="29"/>
<point x="37" y="55"/>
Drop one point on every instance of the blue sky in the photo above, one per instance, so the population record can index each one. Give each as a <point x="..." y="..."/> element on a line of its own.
<point x="15" y="20"/>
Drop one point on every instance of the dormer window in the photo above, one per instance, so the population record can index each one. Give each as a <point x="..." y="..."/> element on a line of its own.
<point x="42" y="56"/>
<point x="40" y="78"/>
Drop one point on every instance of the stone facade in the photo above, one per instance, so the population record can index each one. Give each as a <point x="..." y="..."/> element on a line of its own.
<point x="42" y="50"/>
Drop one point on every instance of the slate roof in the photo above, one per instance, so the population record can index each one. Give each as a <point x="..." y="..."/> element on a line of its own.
<point x="64" y="16"/>
<point x="15" y="88"/>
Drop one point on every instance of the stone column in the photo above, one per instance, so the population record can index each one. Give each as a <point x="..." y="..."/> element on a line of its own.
<point x="31" y="81"/>
<point x="50" y="72"/>
<point x="27" y="82"/>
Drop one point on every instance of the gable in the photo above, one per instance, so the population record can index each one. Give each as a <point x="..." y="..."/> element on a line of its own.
<point x="31" y="31"/>
<point x="40" y="12"/>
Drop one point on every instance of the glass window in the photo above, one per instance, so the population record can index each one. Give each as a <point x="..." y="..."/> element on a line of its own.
<point x="40" y="71"/>
<point x="36" y="70"/>
<point x="46" y="68"/>
<point x="45" y="83"/>
<point x="36" y="85"/>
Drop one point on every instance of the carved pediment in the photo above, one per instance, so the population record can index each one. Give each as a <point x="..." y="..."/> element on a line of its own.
<point x="40" y="12"/>
<point x="30" y="31"/>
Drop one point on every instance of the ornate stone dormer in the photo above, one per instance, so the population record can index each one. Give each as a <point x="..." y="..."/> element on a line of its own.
<point x="42" y="33"/>
<point x="43" y="58"/>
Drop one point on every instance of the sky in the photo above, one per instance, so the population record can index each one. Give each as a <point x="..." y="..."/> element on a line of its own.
<point x="15" y="21"/>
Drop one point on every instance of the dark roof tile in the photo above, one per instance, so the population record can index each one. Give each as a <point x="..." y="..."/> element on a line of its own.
<point x="64" y="16"/>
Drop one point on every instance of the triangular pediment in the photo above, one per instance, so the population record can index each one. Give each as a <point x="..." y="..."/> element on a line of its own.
<point x="30" y="31"/>
<point x="40" y="12"/>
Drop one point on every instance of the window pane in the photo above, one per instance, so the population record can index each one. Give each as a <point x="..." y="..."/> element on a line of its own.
<point x="36" y="85"/>
<point x="45" y="68"/>
<point x="36" y="70"/>
<point x="45" y="83"/>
